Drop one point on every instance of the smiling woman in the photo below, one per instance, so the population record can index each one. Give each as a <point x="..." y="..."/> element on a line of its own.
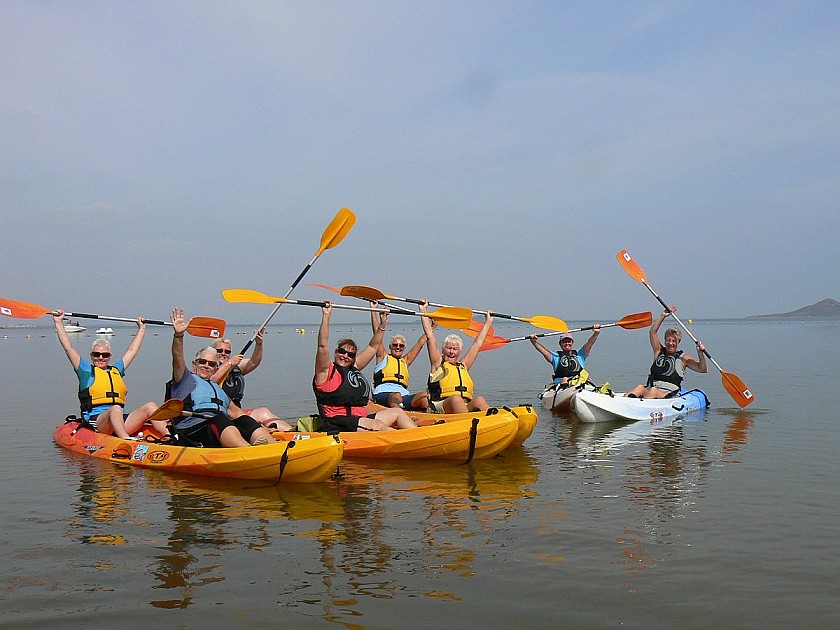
<point x="102" y="390"/>
<point x="342" y="391"/>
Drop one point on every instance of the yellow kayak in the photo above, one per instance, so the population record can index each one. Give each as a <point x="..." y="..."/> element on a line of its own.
<point x="466" y="437"/>
<point x="305" y="460"/>
<point x="525" y="414"/>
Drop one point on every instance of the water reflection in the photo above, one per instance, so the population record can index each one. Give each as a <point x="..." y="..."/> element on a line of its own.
<point x="380" y="531"/>
<point x="408" y="522"/>
<point x="660" y="468"/>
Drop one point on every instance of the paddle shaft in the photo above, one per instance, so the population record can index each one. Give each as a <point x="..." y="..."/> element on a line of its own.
<point x="334" y="233"/>
<point x="558" y="332"/>
<point x="157" y="322"/>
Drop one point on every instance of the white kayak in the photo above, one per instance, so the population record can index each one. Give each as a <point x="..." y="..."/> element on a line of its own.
<point x="596" y="407"/>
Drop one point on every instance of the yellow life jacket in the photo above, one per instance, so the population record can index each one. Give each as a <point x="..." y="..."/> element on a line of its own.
<point x="449" y="380"/>
<point x="108" y="388"/>
<point x="394" y="371"/>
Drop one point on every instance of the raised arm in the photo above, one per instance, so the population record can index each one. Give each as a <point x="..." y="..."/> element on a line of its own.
<point x="134" y="346"/>
<point x="64" y="339"/>
<point x="540" y="348"/>
<point x="653" y="333"/>
<point x="694" y="364"/>
<point x="179" y="365"/>
<point x="587" y="347"/>
<point x="252" y="363"/>
<point x="322" y="354"/>
<point x="435" y="357"/>
<point x="415" y="349"/>
<point x="364" y="357"/>
<point x="475" y="348"/>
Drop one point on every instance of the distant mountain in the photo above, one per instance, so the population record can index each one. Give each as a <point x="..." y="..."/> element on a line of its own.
<point x="826" y="309"/>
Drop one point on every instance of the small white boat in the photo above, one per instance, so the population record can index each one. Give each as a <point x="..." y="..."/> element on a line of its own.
<point x="105" y="331"/>
<point x="71" y="326"/>
<point x="615" y="407"/>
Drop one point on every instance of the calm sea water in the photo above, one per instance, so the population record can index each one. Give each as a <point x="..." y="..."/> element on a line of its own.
<point x="729" y="519"/>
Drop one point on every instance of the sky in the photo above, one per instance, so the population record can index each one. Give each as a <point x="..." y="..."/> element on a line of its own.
<point x="496" y="155"/>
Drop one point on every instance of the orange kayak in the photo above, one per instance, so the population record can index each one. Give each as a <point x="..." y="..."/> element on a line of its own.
<point x="467" y="437"/>
<point x="301" y="460"/>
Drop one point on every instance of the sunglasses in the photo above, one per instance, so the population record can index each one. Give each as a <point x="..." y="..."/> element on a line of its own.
<point x="222" y="351"/>
<point x="398" y="345"/>
<point x="349" y="353"/>
<point x="101" y="355"/>
<point x="209" y="362"/>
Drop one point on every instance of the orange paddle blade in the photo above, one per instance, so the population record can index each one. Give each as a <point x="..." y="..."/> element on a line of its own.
<point x="637" y="320"/>
<point x="363" y="292"/>
<point x="475" y="327"/>
<point x="324" y="286"/>
<point x="211" y="327"/>
<point x="630" y="266"/>
<point x="23" y="310"/>
<point x="736" y="388"/>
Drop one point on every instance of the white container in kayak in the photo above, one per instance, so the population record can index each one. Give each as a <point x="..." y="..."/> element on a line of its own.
<point x="596" y="407"/>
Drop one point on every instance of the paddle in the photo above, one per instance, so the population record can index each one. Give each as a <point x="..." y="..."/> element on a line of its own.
<point x="450" y="316"/>
<point x="197" y="326"/>
<point x="334" y="233"/>
<point x="736" y="388"/>
<point x="371" y="293"/>
<point x="172" y="408"/>
<point x="392" y="307"/>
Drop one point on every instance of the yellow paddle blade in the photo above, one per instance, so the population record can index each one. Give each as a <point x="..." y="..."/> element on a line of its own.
<point x="337" y="230"/>
<point x="23" y="310"/>
<point x="172" y="408"/>
<point x="630" y="266"/>
<point x="548" y="322"/>
<point x="451" y="317"/>
<point x="363" y="292"/>
<point x="736" y="388"/>
<point x="251" y="296"/>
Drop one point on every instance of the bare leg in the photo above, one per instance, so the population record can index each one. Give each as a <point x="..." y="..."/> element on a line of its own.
<point x="455" y="404"/>
<point x="478" y="404"/>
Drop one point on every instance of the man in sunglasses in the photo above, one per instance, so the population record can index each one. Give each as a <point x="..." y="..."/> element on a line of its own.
<point x="102" y="390"/>
<point x="342" y="391"/>
<point x="390" y="372"/>
<point x="213" y="420"/>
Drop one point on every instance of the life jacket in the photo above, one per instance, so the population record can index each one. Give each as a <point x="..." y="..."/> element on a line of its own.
<point x="449" y="380"/>
<point x="666" y="367"/>
<point x="352" y="392"/>
<point x="234" y="385"/>
<point x="568" y="366"/>
<point x="205" y="396"/>
<point x="394" y="371"/>
<point x="108" y="388"/>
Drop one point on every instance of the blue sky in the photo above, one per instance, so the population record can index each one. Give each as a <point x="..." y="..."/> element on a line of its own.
<point x="496" y="154"/>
